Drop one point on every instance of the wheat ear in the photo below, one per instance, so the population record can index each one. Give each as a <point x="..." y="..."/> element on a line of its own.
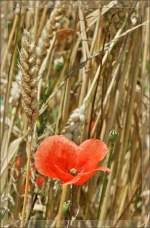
<point x="50" y="27"/>
<point x="29" y="71"/>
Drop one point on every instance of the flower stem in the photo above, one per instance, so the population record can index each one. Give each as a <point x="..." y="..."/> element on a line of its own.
<point x="29" y="149"/>
<point x="60" y="211"/>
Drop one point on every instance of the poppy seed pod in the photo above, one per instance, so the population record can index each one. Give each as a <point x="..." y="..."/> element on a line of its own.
<point x="113" y="134"/>
<point x="66" y="207"/>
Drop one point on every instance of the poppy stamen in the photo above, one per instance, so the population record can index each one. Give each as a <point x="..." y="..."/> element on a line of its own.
<point x="73" y="171"/>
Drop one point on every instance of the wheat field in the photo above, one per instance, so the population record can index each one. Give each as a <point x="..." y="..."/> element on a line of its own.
<point x="78" y="69"/>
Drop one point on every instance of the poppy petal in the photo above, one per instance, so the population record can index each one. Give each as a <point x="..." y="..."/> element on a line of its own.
<point x="66" y="153"/>
<point x="82" y="177"/>
<point x="73" y="181"/>
<point x="63" y="175"/>
<point x="43" y="166"/>
<point x="55" y="151"/>
<point x="92" y="151"/>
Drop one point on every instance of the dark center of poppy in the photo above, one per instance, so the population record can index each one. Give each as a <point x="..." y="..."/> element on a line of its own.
<point x="73" y="171"/>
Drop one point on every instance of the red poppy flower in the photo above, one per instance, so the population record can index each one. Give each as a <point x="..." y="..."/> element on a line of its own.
<point x="57" y="157"/>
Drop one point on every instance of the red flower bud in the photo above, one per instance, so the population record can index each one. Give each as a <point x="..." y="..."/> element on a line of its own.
<point x="40" y="181"/>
